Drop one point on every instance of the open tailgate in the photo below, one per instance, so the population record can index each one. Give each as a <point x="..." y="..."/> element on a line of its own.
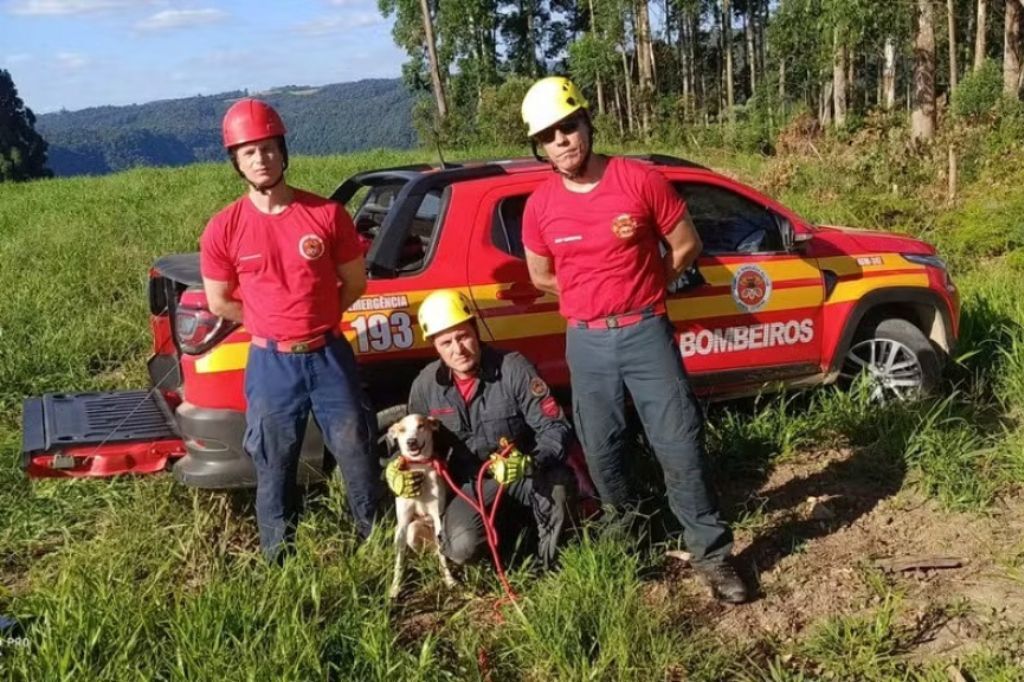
<point x="98" y="434"/>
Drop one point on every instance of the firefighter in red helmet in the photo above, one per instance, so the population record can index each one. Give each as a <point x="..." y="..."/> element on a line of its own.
<point x="287" y="264"/>
<point x="250" y="121"/>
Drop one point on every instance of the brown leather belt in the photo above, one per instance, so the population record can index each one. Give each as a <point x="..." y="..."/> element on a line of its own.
<point x="618" y="321"/>
<point x="300" y="346"/>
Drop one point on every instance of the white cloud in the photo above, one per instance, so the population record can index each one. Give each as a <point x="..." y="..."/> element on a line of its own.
<point x="19" y="58"/>
<point x="181" y="18"/>
<point x="223" y="58"/>
<point x="72" y="61"/>
<point x="68" y="7"/>
<point x="337" y="24"/>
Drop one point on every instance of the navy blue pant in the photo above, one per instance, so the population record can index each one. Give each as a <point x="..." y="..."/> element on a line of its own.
<point x="281" y="389"/>
<point x="644" y="359"/>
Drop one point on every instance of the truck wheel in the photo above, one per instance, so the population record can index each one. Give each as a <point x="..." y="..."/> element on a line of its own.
<point x="897" y="358"/>
<point x="389" y="415"/>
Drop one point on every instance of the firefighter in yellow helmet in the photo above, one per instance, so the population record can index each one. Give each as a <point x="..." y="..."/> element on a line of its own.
<point x="479" y="395"/>
<point x="594" y="235"/>
<point x="553" y="105"/>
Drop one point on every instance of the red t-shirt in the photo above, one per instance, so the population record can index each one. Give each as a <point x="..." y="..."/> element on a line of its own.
<point x="466" y="387"/>
<point x="285" y="265"/>
<point x="604" y="242"/>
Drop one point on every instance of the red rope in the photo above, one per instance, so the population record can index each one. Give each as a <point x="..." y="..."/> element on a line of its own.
<point x="486" y="516"/>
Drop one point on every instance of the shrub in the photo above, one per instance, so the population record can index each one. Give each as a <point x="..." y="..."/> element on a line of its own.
<point x="979" y="91"/>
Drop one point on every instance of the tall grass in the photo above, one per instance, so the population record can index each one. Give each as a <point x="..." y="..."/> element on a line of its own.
<point x="143" y="579"/>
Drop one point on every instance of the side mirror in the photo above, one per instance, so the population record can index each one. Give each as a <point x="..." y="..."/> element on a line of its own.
<point x="791" y="239"/>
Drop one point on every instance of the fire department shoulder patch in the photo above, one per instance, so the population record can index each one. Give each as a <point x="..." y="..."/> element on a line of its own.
<point x="625" y="226"/>
<point x="751" y="288"/>
<point x="538" y="388"/>
<point x="311" y="247"/>
<point x="549" y="406"/>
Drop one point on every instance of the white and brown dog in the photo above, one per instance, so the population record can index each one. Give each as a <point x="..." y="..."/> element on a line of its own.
<point x="419" y="518"/>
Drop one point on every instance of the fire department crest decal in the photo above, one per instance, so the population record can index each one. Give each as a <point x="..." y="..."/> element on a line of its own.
<point x="311" y="247"/>
<point x="751" y="288"/>
<point x="625" y="226"/>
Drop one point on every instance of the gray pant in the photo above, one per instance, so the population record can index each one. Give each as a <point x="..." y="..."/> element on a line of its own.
<point x="545" y="496"/>
<point x="644" y="358"/>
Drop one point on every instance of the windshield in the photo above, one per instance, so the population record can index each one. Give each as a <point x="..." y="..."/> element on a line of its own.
<point x="376" y="202"/>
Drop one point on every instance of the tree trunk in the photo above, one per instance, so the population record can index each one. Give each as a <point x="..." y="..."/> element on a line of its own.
<point x="1012" y="49"/>
<point x="435" y="71"/>
<point x="951" y="28"/>
<point x="825" y="105"/>
<point x="627" y="72"/>
<point x="889" y="75"/>
<point x="922" y="118"/>
<point x="748" y="28"/>
<point x="645" y="66"/>
<point x="782" y="82"/>
<point x="762" y="50"/>
<point x="980" y="34"/>
<point x="531" y="37"/>
<point x="839" y="78"/>
<point x="618" y="108"/>
<point x="684" y="66"/>
<point x="691" y="60"/>
<point x="727" y="41"/>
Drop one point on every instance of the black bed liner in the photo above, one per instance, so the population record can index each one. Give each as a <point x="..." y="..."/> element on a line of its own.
<point x="59" y="420"/>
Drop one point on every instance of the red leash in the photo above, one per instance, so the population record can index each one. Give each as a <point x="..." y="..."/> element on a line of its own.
<point x="486" y="516"/>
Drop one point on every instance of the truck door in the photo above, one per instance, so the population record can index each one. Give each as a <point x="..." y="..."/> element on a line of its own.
<point x="757" y="316"/>
<point x="514" y="313"/>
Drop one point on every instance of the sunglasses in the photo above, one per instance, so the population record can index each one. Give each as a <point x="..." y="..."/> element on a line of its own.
<point x="566" y="127"/>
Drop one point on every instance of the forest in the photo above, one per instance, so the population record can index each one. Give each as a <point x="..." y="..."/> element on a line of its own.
<point x="718" y="72"/>
<point x="329" y="119"/>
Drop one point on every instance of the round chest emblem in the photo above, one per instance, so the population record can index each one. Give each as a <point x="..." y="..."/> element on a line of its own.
<point x="751" y="288"/>
<point x="311" y="246"/>
<point x="625" y="226"/>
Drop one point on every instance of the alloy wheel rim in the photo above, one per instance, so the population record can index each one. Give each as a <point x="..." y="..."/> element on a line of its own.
<point x="891" y="369"/>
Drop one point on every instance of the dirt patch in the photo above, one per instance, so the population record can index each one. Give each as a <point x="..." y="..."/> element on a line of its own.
<point x="825" y="527"/>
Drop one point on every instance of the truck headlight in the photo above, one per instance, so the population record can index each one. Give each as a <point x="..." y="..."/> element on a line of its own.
<point x="923" y="259"/>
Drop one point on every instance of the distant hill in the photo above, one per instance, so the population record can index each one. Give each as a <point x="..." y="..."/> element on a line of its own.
<point x="329" y="119"/>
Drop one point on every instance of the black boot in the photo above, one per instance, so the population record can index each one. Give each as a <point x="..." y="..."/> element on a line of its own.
<point x="721" y="577"/>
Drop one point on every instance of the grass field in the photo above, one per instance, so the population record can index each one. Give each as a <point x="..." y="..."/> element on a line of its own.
<point x="144" y="579"/>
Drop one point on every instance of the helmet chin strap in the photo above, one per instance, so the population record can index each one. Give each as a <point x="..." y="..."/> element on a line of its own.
<point x="576" y="172"/>
<point x="265" y="188"/>
<point x="580" y="169"/>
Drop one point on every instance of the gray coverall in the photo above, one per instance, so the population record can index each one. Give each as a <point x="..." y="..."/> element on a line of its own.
<point x="510" y="400"/>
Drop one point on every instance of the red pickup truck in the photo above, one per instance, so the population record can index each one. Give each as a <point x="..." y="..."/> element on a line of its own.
<point x="773" y="300"/>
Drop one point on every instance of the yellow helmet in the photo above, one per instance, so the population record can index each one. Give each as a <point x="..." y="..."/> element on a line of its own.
<point x="548" y="101"/>
<point x="443" y="310"/>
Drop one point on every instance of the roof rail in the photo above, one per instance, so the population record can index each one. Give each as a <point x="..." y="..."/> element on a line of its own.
<point x="666" y="160"/>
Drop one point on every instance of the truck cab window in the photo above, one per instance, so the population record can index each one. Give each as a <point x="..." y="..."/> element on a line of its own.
<point x="507" y="225"/>
<point x="728" y="222"/>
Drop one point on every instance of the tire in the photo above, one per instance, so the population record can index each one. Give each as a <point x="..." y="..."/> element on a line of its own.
<point x="385" y="418"/>
<point x="898" y="359"/>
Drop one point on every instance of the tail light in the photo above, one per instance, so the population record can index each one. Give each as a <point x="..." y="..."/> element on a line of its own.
<point x="197" y="330"/>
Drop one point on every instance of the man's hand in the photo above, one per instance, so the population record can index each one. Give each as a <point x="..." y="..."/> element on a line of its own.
<point x="542" y="272"/>
<point x="352" y="278"/>
<point x="509" y="469"/>
<point x="219" y="300"/>
<point x="403" y="482"/>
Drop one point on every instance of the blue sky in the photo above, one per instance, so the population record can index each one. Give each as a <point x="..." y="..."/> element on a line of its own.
<point x="80" y="53"/>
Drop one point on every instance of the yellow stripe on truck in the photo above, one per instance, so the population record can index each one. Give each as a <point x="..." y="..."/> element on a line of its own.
<point x="856" y="289"/>
<point x="231" y="357"/>
<point x="224" y="358"/>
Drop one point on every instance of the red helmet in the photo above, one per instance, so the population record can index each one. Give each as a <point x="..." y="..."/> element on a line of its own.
<point x="250" y="120"/>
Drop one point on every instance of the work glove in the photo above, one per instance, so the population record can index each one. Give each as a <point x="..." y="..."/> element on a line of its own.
<point x="509" y="468"/>
<point x="403" y="482"/>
